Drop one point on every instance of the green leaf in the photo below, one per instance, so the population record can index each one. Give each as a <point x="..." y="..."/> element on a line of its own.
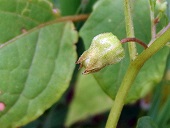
<point x="89" y="100"/>
<point x="159" y="110"/>
<point x="146" y="122"/>
<point x="87" y="6"/>
<point x="164" y="114"/>
<point x="17" y="16"/>
<point x="108" y="17"/>
<point x="35" y="71"/>
<point x="72" y="7"/>
<point x="69" y="7"/>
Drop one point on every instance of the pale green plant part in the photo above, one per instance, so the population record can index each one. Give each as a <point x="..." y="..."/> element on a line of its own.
<point x="105" y="49"/>
<point x="161" y="5"/>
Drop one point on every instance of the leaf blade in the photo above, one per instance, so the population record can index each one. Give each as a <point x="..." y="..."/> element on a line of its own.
<point x="146" y="122"/>
<point x="16" y="17"/>
<point x="42" y="74"/>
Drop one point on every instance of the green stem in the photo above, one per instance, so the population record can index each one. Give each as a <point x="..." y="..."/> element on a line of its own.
<point x="130" y="29"/>
<point x="152" y="18"/>
<point x="131" y="74"/>
<point x="153" y="25"/>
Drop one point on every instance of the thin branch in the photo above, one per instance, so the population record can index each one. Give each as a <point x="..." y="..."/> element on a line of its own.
<point x="75" y="18"/>
<point x="153" y="24"/>
<point x="159" y="34"/>
<point x="153" y="20"/>
<point x="125" y="40"/>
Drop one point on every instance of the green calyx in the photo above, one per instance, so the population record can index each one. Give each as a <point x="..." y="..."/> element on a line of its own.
<point x="105" y="49"/>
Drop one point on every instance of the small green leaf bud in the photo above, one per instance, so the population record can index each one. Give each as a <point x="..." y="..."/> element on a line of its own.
<point x="105" y="49"/>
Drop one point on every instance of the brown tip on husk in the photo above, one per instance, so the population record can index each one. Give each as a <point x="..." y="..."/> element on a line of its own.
<point x="85" y="72"/>
<point x="77" y="62"/>
<point x="80" y="66"/>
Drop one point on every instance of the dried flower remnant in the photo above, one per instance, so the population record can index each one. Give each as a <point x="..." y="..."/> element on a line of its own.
<point x="105" y="49"/>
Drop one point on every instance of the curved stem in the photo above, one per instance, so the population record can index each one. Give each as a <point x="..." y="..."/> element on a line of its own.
<point x="131" y="74"/>
<point x="125" y="40"/>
